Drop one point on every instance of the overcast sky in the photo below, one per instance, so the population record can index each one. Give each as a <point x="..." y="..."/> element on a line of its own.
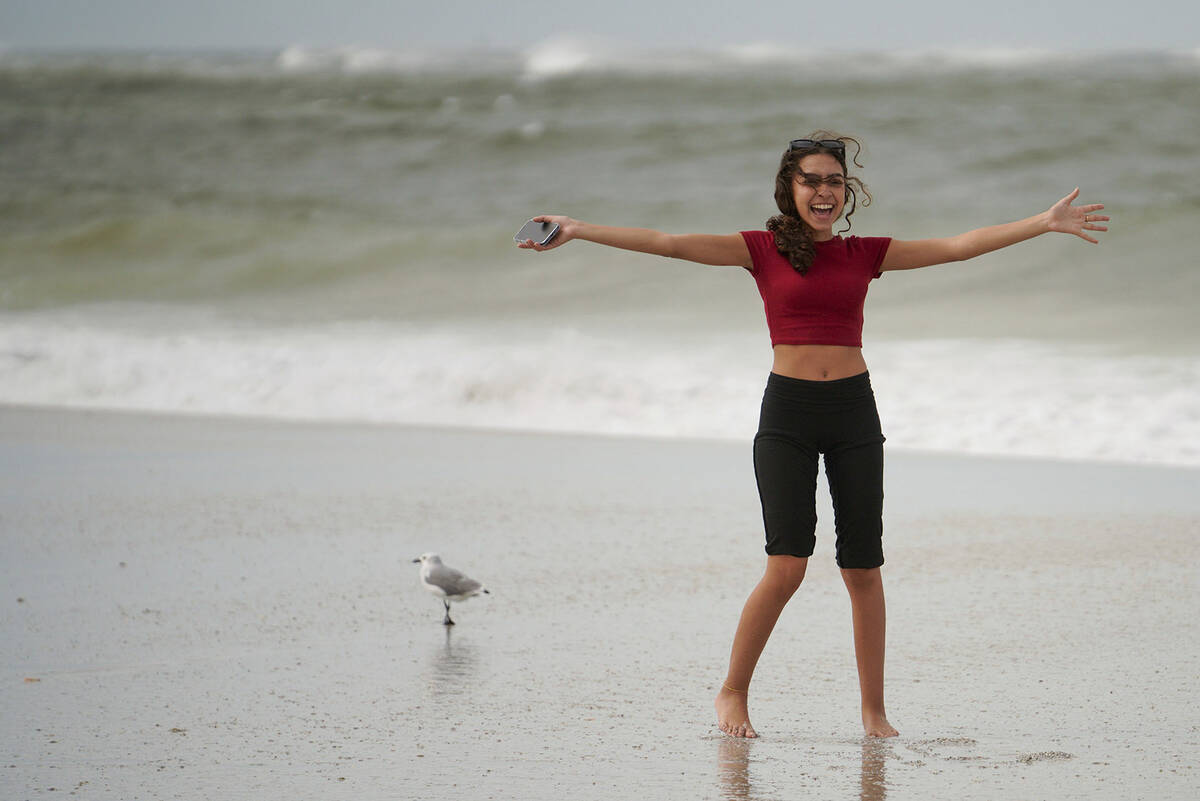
<point x="859" y="24"/>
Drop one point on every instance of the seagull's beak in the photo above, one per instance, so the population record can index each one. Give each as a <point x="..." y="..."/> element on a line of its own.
<point x="418" y="559"/>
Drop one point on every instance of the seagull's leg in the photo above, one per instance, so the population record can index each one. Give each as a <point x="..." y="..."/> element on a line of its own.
<point x="447" y="621"/>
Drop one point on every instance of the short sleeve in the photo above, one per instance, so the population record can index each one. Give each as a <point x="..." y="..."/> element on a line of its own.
<point x="871" y="250"/>
<point x="761" y="245"/>
<point x="880" y="245"/>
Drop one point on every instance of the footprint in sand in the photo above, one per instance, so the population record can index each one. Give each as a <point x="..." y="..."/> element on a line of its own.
<point x="959" y="749"/>
<point x="954" y="749"/>
<point x="1045" y="756"/>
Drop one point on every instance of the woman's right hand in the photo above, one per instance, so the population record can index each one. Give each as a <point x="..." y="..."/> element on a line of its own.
<point x="566" y="232"/>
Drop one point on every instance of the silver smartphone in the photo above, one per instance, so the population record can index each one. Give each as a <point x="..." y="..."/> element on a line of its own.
<point x="540" y="232"/>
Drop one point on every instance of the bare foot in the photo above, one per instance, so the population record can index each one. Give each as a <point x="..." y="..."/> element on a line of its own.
<point x="875" y="724"/>
<point x="733" y="717"/>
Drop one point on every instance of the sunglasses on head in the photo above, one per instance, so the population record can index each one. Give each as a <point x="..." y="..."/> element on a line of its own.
<point x="808" y="144"/>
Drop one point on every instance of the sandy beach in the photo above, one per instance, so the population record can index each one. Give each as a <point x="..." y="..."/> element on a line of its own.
<point x="221" y="608"/>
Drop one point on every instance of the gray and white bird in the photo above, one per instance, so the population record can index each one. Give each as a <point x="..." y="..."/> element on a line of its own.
<point x="446" y="582"/>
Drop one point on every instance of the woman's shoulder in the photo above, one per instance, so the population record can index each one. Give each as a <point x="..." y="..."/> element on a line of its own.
<point x="853" y="242"/>
<point x="871" y="248"/>
<point x="758" y="237"/>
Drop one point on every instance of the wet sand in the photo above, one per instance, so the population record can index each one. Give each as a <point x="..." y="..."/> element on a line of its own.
<point x="220" y="608"/>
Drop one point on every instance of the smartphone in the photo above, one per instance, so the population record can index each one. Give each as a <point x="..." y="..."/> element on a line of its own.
<point x="540" y="232"/>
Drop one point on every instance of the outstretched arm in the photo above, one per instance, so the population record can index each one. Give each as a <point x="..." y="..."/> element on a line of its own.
<point x="717" y="249"/>
<point x="1061" y="217"/>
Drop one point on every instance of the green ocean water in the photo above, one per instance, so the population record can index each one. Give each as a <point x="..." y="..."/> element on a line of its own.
<point x="210" y="178"/>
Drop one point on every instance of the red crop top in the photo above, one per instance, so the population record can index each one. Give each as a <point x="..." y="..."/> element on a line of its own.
<point x="825" y="306"/>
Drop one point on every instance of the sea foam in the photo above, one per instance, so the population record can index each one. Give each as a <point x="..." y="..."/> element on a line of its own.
<point x="1009" y="397"/>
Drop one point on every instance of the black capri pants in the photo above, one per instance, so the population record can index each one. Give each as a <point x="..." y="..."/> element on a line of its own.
<point x="799" y="420"/>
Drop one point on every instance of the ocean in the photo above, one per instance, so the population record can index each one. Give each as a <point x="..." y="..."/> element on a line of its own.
<point x="327" y="235"/>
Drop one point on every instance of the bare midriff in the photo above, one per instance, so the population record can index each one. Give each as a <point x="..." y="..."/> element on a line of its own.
<point x="818" y="362"/>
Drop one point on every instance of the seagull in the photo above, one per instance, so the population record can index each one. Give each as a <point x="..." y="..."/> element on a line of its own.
<point x="446" y="582"/>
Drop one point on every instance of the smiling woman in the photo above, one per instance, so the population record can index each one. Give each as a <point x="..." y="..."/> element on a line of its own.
<point x="818" y="399"/>
<point x="811" y="190"/>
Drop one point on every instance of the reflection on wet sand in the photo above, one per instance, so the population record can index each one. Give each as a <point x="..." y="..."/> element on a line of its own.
<point x="452" y="665"/>
<point x="733" y="768"/>
<point x="875" y="753"/>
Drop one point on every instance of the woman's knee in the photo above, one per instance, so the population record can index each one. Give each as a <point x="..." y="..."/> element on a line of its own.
<point x="786" y="572"/>
<point x="862" y="579"/>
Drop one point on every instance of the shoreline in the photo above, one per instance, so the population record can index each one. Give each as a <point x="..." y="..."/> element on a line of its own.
<point x="236" y="419"/>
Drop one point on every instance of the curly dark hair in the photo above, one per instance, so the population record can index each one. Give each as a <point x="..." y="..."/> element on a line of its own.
<point x="793" y="237"/>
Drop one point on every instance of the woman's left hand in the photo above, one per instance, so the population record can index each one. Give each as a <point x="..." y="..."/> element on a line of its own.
<point x="1068" y="219"/>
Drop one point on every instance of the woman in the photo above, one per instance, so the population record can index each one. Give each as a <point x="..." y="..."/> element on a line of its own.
<point x="818" y="398"/>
